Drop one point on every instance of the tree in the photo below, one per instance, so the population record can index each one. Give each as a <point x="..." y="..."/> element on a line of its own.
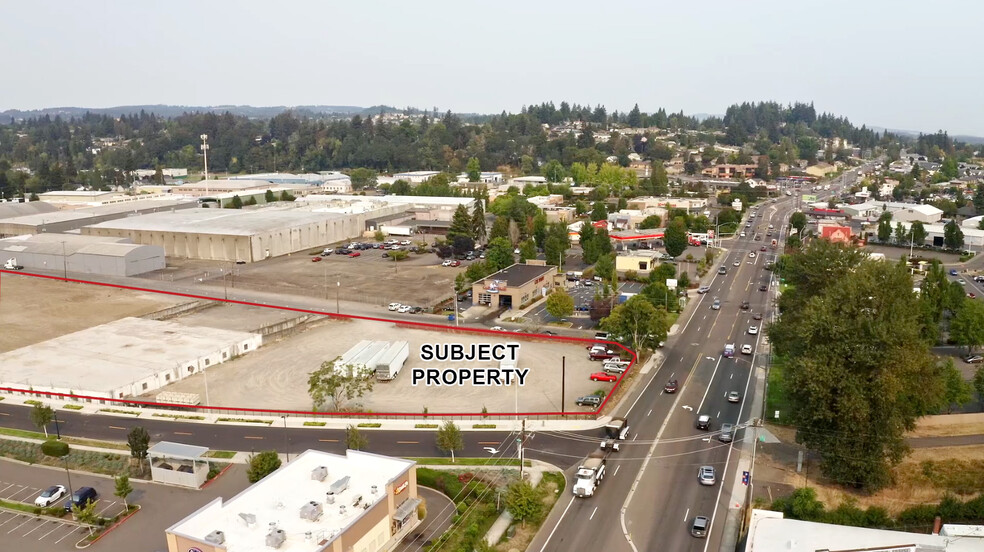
<point x="139" y="442"/>
<point x="524" y="501"/>
<point x="659" y="182"/>
<point x="363" y="178"/>
<point x="637" y="323"/>
<point x="918" y="231"/>
<point x="675" y="237"/>
<point x="286" y="196"/>
<point x="560" y="304"/>
<point x="474" y="170"/>
<point x="479" y="231"/>
<point x="338" y="383"/>
<point x="554" y="171"/>
<point x="900" y="233"/>
<point x="967" y="327"/>
<point x="956" y="391"/>
<point x="499" y="254"/>
<point x="527" y="251"/>
<point x="462" y="244"/>
<point x="41" y="416"/>
<point x="354" y="439"/>
<point x="979" y="198"/>
<point x="599" y="211"/>
<point x="449" y="438"/>
<point x="605" y="267"/>
<point x="652" y="221"/>
<point x="953" y="237"/>
<point x="237" y="202"/>
<point x="269" y="197"/>
<point x="57" y="449"/>
<point x="398" y="255"/>
<point x="123" y="488"/>
<point x="557" y="243"/>
<point x="979" y="383"/>
<point x="85" y="514"/>
<point x="262" y="465"/>
<point x="461" y="223"/>
<point x="885" y="227"/>
<point x="798" y="221"/>
<point x="855" y="359"/>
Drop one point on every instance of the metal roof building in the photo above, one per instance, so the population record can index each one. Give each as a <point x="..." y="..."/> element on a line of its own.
<point x="72" y="255"/>
<point x="72" y="219"/>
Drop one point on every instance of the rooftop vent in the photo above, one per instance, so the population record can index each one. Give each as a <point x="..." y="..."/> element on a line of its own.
<point x="341" y="509"/>
<point x="311" y="511"/>
<point x="248" y="519"/>
<point x="339" y="486"/>
<point x="330" y="499"/>
<point x="374" y="489"/>
<point x="276" y="538"/>
<point x="319" y="473"/>
<point x="215" y="537"/>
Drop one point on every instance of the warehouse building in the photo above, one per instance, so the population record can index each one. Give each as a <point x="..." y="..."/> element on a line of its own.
<point x="121" y="359"/>
<point x="515" y="286"/>
<point x="317" y="502"/>
<point x="67" y="220"/>
<point x="235" y="235"/>
<point x="73" y="254"/>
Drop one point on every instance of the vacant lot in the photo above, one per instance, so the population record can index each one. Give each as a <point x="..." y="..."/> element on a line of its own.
<point x="276" y="375"/>
<point x="35" y="309"/>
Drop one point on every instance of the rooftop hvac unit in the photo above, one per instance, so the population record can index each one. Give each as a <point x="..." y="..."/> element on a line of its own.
<point x="339" y="486"/>
<point x="330" y="499"/>
<point x="215" y="537"/>
<point x="341" y="509"/>
<point x="248" y="519"/>
<point x="374" y="489"/>
<point x="311" y="511"/>
<point x="276" y="538"/>
<point x="319" y="473"/>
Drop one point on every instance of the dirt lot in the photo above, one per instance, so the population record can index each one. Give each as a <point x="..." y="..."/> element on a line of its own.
<point x="923" y="477"/>
<point x="949" y="425"/>
<point x="34" y="309"/>
<point x="275" y="376"/>
<point x="369" y="278"/>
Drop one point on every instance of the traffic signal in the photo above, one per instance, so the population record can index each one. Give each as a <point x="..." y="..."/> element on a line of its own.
<point x="746" y="477"/>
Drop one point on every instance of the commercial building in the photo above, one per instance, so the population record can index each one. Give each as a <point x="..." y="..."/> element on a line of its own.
<point x="384" y="359"/>
<point x="515" y="286"/>
<point x="317" y="502"/>
<point x="121" y="359"/>
<point x="74" y="254"/>
<point x="67" y="220"/>
<point x="77" y="196"/>
<point x="639" y="261"/>
<point x="691" y="204"/>
<point x="901" y="212"/>
<point x="483" y="177"/>
<point x="727" y="170"/>
<point x="235" y="235"/>
<point x="415" y="177"/>
<point x="325" y="181"/>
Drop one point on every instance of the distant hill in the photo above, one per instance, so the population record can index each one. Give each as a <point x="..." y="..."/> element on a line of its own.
<point x="170" y="111"/>
<point x="966" y="138"/>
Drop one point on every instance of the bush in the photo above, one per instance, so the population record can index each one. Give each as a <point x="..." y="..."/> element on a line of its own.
<point x="54" y="448"/>
<point x="262" y="465"/>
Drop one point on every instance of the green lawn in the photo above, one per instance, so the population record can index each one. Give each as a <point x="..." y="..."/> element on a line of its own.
<point x="776" y="396"/>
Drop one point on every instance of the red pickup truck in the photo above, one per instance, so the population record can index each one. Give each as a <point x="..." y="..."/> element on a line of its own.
<point x="601" y="353"/>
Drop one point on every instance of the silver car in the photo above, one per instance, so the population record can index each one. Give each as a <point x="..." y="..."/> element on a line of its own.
<point x="706" y="475"/>
<point x="727" y="433"/>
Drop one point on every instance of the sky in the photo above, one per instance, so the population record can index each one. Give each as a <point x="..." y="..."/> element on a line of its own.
<point x="887" y="63"/>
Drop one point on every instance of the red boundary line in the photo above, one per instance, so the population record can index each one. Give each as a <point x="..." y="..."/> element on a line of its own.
<point x="113" y="527"/>
<point x="218" y="475"/>
<point x="440" y="327"/>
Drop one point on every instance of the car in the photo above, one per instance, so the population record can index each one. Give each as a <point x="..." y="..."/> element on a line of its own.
<point x="316" y="259"/>
<point x="962" y="282"/>
<point x="753" y="330"/>
<point x="764" y="287"/>
<point x="240" y="261"/>
<point x="50" y="495"/>
<point x="705" y="474"/>
<point x="394" y="306"/>
<point x="497" y="329"/>
<point x="588" y="400"/>
<point x="355" y="254"/>
<point x="327" y="252"/>
<point x="734" y="397"/>
<point x="727" y="433"/>
<point x="953" y="272"/>
<point x="771" y="227"/>
<point x="404" y="309"/>
<point x="768" y="234"/>
<point x="81" y="498"/>
<point x="979" y="278"/>
<point x="587" y="283"/>
<point x="746" y="349"/>
<point x="615" y="367"/>
<point x="751" y="254"/>
<point x="455" y="263"/>
<point x="703" y="289"/>
<point x="699" y="528"/>
<point x="671" y="386"/>
<point x="582" y="308"/>
<point x="601" y="335"/>
<point x="736" y="263"/>
<point x="704" y="422"/>
<point x="742" y="235"/>
<point x="602" y="376"/>
<point x="744" y="305"/>
<point x="716" y="305"/>
<point x="974" y="359"/>
<point x="722" y="270"/>
<point x="971" y="295"/>
<point x="763" y="248"/>
<point x="548" y="332"/>
<point x="757" y="316"/>
<point x="406" y="242"/>
<point x="416" y="310"/>
<point x="447" y="262"/>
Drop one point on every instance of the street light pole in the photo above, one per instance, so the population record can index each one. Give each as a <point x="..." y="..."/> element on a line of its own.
<point x="286" y="439"/>
<point x="454" y="294"/>
<point x="338" y="287"/>
<point x="205" y="153"/>
<point x="64" y="263"/>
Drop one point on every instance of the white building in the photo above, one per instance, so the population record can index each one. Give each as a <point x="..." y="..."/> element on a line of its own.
<point x="317" y="502"/>
<point x="901" y="212"/>
<point x="484" y="177"/>
<point x="521" y="181"/>
<point x="415" y="177"/>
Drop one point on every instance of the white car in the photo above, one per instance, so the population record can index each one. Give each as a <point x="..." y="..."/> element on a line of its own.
<point x="406" y="242"/>
<point x="746" y="349"/>
<point x="742" y="235"/>
<point x="751" y="254"/>
<point x="497" y="329"/>
<point x="404" y="308"/>
<point x="446" y="263"/>
<point x="394" y="306"/>
<point x="753" y="330"/>
<point x="737" y="263"/>
<point x="50" y="495"/>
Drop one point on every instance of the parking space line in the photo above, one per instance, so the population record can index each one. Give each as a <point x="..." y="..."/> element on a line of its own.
<point x="19" y="526"/>
<point x="57" y="527"/>
<point x="12" y="517"/>
<point x="108" y="506"/>
<point x="22" y="489"/>
<point x="65" y="535"/>
<point x="5" y="488"/>
<point x="40" y="525"/>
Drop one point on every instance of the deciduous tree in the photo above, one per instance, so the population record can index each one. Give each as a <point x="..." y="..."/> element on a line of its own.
<point x="798" y="221"/>
<point x="560" y="304"/>
<point x="499" y="254"/>
<point x="675" y="237"/>
<point x="41" y="416"/>
<point x="262" y="465"/>
<point x="354" y="439"/>
<point x="123" y="488"/>
<point x="449" y="438"/>
<point x="953" y="237"/>
<point x="335" y="384"/>
<point x="967" y="327"/>
<point x="637" y="323"/>
<point x="524" y="501"/>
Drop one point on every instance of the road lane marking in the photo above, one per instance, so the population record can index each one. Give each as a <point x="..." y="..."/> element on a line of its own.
<point x="614" y="473"/>
<point x="651" y="410"/>
<point x="489" y="443"/>
<point x="592" y="513"/>
<point x="557" y="525"/>
<point x="252" y="437"/>
<point x="687" y="515"/>
<point x="181" y="433"/>
<point x="408" y="442"/>
<point x="328" y="440"/>
<point x="116" y="427"/>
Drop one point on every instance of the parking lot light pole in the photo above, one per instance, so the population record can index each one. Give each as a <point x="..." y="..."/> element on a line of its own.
<point x="286" y="439"/>
<point x="338" y="287"/>
<point x="454" y="295"/>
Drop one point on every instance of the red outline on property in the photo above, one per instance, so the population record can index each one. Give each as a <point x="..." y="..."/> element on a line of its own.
<point x="439" y="327"/>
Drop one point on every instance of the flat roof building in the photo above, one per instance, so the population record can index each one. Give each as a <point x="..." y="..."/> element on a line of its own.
<point x="121" y="359"/>
<point x="515" y="286"/>
<point x="75" y="254"/>
<point x="317" y="502"/>
<point x="416" y="177"/>
<point x="66" y="220"/>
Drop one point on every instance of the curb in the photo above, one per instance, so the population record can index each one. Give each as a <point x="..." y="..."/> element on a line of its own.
<point x="111" y="528"/>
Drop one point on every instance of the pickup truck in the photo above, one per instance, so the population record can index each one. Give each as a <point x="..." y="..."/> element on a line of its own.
<point x="600" y="353"/>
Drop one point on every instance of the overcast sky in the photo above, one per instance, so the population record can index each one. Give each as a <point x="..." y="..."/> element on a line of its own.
<point x="894" y="63"/>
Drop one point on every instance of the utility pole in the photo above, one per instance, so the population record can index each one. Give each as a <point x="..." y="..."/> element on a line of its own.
<point x="338" y="287"/>
<point x="519" y="444"/>
<point x="454" y="294"/>
<point x="205" y="153"/>
<point x="563" y="380"/>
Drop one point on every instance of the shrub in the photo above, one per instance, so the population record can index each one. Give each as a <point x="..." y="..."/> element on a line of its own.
<point x="55" y="448"/>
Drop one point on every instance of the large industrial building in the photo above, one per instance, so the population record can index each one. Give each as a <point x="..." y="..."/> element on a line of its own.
<point x="66" y="220"/>
<point x="317" y="502"/>
<point x="75" y="254"/>
<point x="121" y="359"/>
<point x="236" y="235"/>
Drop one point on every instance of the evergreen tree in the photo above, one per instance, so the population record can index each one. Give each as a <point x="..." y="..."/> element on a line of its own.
<point x="461" y="223"/>
<point x="479" y="231"/>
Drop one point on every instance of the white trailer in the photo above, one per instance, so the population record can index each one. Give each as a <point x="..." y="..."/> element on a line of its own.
<point x="390" y="362"/>
<point x="397" y="230"/>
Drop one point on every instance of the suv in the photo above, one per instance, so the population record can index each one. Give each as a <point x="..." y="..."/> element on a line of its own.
<point x="727" y="433"/>
<point x="704" y="422"/>
<point x="699" y="528"/>
<point x="588" y="400"/>
<point x="81" y="498"/>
